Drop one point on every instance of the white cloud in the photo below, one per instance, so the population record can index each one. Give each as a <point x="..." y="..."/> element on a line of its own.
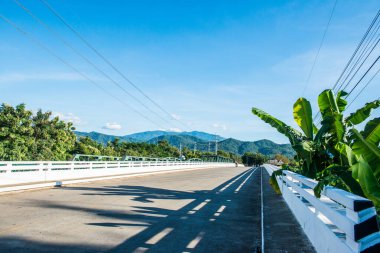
<point x="174" y="130"/>
<point x="112" y="126"/>
<point x="21" y="77"/>
<point x="68" y="117"/>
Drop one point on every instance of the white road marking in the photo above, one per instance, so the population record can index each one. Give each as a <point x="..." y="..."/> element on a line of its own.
<point x="195" y="241"/>
<point x="156" y="238"/>
<point x="228" y="185"/>
<point x="140" y="250"/>
<point x="221" y="209"/>
<point x="200" y="205"/>
<point x="241" y="185"/>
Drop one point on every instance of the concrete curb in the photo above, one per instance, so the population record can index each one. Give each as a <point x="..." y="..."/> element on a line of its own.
<point x="37" y="186"/>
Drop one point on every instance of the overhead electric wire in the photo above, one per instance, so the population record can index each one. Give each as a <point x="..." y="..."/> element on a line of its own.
<point x="366" y="51"/>
<point x="357" y="48"/>
<point x="364" y="87"/>
<point x="373" y="64"/>
<point x="349" y="82"/>
<point x="59" y="37"/>
<point x="357" y="83"/>
<point x="354" y="56"/>
<point x="319" y="49"/>
<point x="41" y="45"/>
<point x="88" y="44"/>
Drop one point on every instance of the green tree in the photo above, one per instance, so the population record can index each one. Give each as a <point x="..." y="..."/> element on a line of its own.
<point x="15" y="133"/>
<point x="53" y="138"/>
<point x="24" y="136"/>
<point x="253" y="159"/>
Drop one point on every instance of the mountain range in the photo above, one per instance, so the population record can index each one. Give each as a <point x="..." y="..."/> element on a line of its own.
<point x="198" y="140"/>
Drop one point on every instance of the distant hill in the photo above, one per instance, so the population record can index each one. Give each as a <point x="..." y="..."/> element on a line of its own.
<point x="104" y="138"/>
<point x="148" y="135"/>
<point x="265" y="147"/>
<point x="204" y="136"/>
<point x="202" y="140"/>
<point x="176" y="140"/>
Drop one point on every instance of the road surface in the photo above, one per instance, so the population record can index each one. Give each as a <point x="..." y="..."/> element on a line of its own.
<point x="206" y="210"/>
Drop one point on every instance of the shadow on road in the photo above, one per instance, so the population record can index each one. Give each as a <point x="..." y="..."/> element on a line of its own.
<point x="225" y="219"/>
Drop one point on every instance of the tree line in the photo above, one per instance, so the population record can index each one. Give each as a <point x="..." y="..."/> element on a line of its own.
<point x="28" y="136"/>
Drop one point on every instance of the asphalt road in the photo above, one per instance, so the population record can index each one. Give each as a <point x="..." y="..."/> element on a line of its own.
<point x="207" y="210"/>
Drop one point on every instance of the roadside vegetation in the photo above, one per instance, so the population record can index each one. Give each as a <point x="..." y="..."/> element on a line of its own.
<point x="28" y="136"/>
<point x="253" y="159"/>
<point x="336" y="153"/>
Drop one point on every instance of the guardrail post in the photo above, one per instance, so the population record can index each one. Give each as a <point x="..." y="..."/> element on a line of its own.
<point x="46" y="169"/>
<point x="8" y="167"/>
<point x="347" y="221"/>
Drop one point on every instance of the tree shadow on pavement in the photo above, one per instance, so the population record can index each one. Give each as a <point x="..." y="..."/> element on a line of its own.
<point x="224" y="219"/>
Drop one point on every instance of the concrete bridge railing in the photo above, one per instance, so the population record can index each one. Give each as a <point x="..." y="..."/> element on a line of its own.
<point x="36" y="174"/>
<point x="339" y="221"/>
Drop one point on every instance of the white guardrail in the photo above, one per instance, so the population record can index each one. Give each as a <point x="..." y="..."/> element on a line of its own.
<point x="339" y="221"/>
<point x="35" y="174"/>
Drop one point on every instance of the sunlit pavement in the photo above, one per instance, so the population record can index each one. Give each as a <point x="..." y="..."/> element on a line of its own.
<point x="209" y="210"/>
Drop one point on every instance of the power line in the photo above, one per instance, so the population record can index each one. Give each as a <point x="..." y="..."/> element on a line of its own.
<point x="319" y="49"/>
<point x="373" y="64"/>
<point x="348" y="83"/>
<point x="364" y="87"/>
<point x="87" y="43"/>
<point x="66" y="43"/>
<point x="353" y="56"/>
<point x="364" y="52"/>
<point x="41" y="45"/>
<point x="357" y="48"/>
<point x="361" y="78"/>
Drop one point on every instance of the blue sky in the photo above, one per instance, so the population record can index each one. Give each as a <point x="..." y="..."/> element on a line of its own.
<point x="206" y="62"/>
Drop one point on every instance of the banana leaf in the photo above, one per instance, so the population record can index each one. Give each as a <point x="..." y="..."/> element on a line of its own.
<point x="363" y="113"/>
<point x="367" y="180"/>
<point x="331" y="114"/>
<point x="327" y="103"/>
<point x="340" y="173"/>
<point x="281" y="127"/>
<point x="302" y="114"/>
<point x="364" y="146"/>
<point x="341" y="102"/>
<point x="372" y="131"/>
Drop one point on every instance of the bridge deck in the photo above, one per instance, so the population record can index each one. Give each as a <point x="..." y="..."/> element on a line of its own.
<point x="209" y="210"/>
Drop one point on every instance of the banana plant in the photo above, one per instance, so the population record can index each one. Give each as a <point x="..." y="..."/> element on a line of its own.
<point x="336" y="153"/>
<point x="365" y="145"/>
<point x="306" y="143"/>
<point x="341" y="136"/>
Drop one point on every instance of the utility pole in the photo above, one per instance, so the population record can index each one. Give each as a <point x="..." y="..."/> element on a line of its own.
<point x="180" y="150"/>
<point x="195" y="147"/>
